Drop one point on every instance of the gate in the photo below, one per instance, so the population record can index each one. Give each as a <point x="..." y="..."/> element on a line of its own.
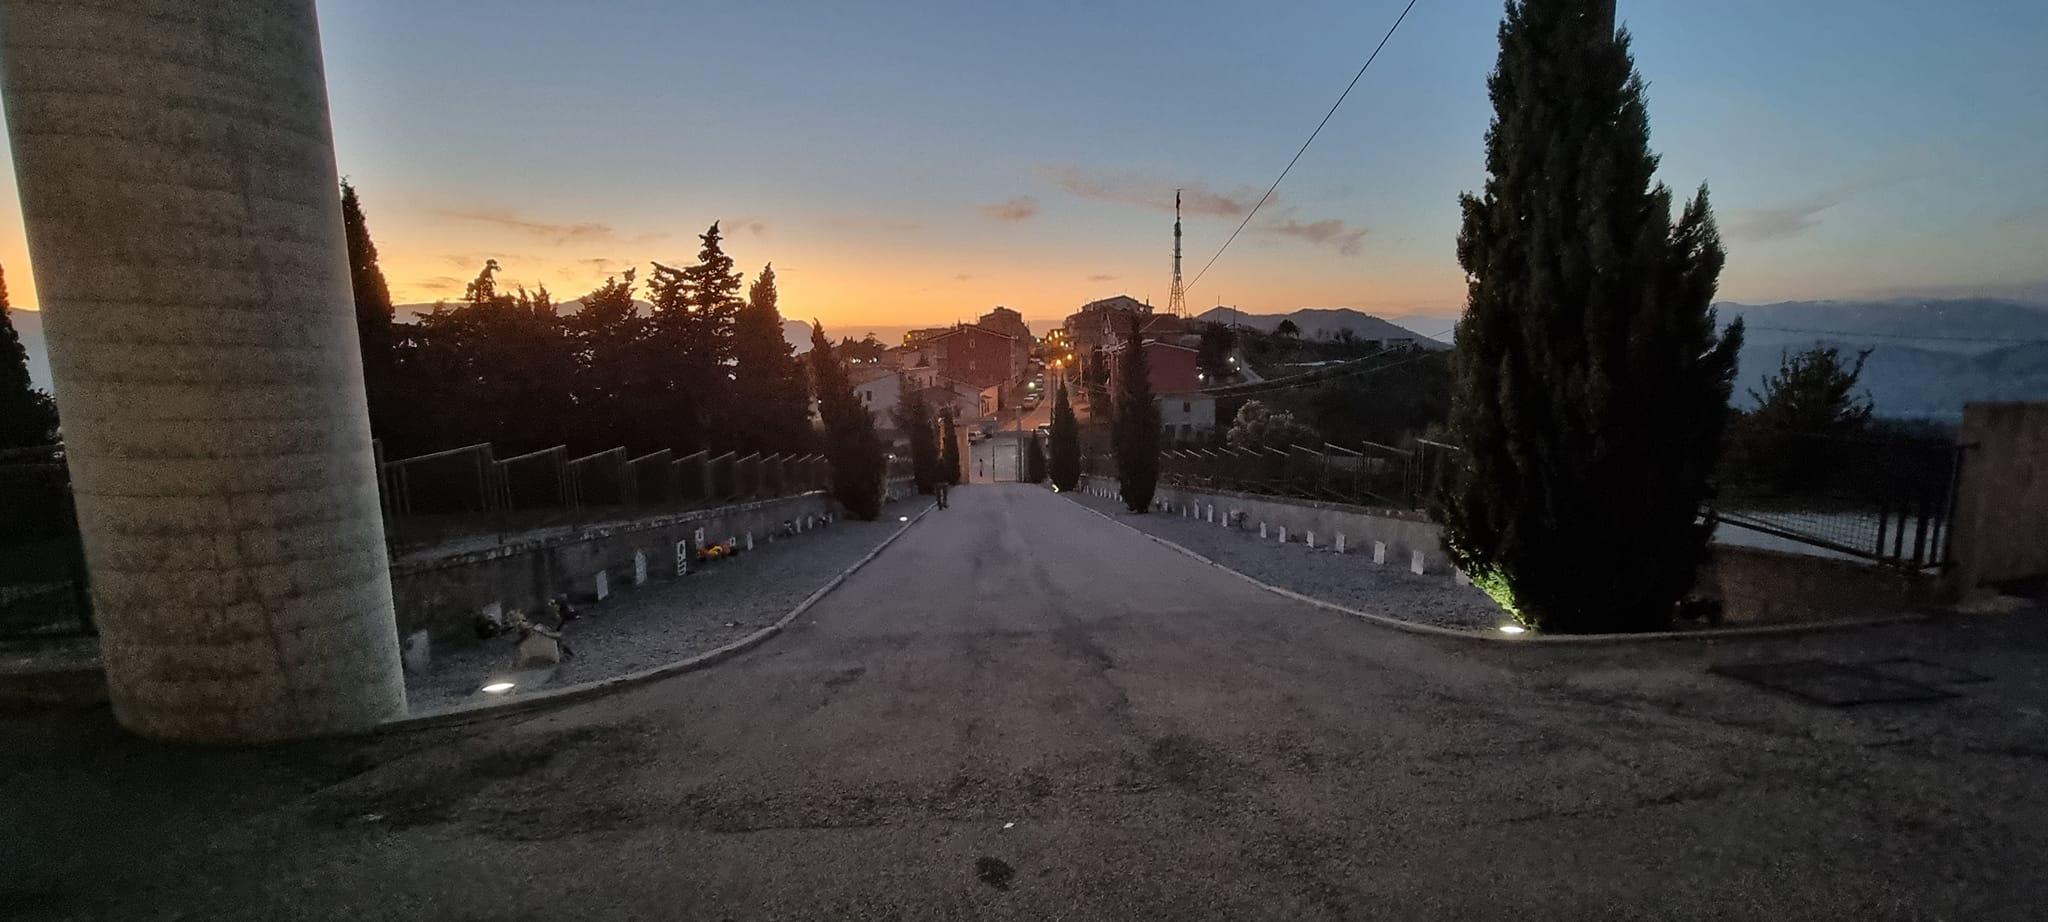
<point x="1888" y="500"/>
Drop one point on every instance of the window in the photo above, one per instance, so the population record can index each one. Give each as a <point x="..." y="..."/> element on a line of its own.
<point x="1187" y="407"/>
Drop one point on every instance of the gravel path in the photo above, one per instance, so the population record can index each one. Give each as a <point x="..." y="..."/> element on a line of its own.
<point x="668" y="620"/>
<point x="1348" y="579"/>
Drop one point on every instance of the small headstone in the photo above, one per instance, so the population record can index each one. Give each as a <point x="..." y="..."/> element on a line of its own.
<point x="1379" y="552"/>
<point x="1340" y="542"/>
<point x="603" y="586"/>
<point x="699" y="537"/>
<point x="1283" y="534"/>
<point x="1310" y="539"/>
<point x="682" y="558"/>
<point x="1415" y="562"/>
<point x="1212" y="513"/>
<point x="417" y="654"/>
<point x="1262" y="531"/>
<point x="639" y="568"/>
<point x="750" y="539"/>
<point x="538" y="649"/>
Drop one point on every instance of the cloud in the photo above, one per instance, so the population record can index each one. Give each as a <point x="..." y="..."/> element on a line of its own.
<point x="1197" y="199"/>
<point x="843" y="222"/>
<point x="753" y="226"/>
<point x="1019" y="208"/>
<point x="441" y="283"/>
<point x="962" y="277"/>
<point x="1102" y="278"/>
<point x="1802" y="216"/>
<point x="1331" y="231"/>
<point x="556" y="233"/>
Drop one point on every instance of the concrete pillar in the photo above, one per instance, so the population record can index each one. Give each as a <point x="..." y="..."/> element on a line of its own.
<point x="177" y="177"/>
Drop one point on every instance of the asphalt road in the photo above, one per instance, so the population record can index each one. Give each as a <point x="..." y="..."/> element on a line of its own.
<point x="1024" y="711"/>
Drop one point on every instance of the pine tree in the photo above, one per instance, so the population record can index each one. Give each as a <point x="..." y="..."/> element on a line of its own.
<point x="1590" y="388"/>
<point x="689" y="342"/>
<point x="28" y="417"/>
<point x="606" y="335"/>
<point x="1134" y="430"/>
<point x="1799" y="436"/>
<point x="1065" y="463"/>
<point x="374" y="331"/>
<point x="1034" y="461"/>
<point x="768" y="385"/>
<point x="850" y="441"/>
<point x="914" y="419"/>
<point x="949" y="450"/>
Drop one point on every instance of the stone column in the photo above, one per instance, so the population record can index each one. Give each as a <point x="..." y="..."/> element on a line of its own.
<point x="178" y="182"/>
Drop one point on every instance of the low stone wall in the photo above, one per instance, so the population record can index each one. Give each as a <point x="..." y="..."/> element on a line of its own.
<point x="1404" y="532"/>
<point x="442" y="595"/>
<point x="1757" y="586"/>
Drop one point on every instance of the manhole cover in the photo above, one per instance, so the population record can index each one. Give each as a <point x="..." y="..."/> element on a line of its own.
<point x="1914" y="669"/>
<point x="1832" y="684"/>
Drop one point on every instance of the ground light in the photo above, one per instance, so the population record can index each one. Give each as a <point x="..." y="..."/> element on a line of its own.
<point x="497" y="688"/>
<point x="1513" y="629"/>
<point x="903" y="518"/>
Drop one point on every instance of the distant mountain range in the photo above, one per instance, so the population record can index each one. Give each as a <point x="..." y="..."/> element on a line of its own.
<point x="1927" y="358"/>
<point x="1320" y="323"/>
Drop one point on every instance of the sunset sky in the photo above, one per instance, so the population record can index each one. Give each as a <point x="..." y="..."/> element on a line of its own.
<point x="908" y="163"/>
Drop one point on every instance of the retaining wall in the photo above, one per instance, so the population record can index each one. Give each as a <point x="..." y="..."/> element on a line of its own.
<point x="443" y="595"/>
<point x="1755" y="586"/>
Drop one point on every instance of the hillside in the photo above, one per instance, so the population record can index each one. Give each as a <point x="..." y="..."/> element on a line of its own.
<point x="1320" y="323"/>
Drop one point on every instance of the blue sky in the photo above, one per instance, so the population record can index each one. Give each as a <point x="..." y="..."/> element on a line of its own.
<point x="919" y="162"/>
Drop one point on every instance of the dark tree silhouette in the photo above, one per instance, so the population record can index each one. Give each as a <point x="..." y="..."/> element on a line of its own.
<point x="1065" y="463"/>
<point x="388" y="407"/>
<point x="28" y="417"/>
<point x="850" y="441"/>
<point x="609" y="378"/>
<point x="1212" y="353"/>
<point x="1288" y="328"/>
<point x="691" y="340"/>
<point x="1797" y="438"/>
<point x="768" y="385"/>
<point x="1590" y="389"/>
<point x="497" y="368"/>
<point x="914" y="419"/>
<point x="1134" y="431"/>
<point x="949" y="450"/>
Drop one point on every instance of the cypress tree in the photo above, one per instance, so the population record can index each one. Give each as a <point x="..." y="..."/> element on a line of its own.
<point x="686" y="351"/>
<point x="1590" y="388"/>
<point x="606" y="335"/>
<point x="1134" y="430"/>
<point x="949" y="450"/>
<point x="1066" y="443"/>
<point x="850" y="441"/>
<point x="28" y="417"/>
<point x="914" y="418"/>
<point x="768" y="387"/>
<point x="374" y="331"/>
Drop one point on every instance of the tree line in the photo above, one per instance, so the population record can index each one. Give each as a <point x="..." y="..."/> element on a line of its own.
<point x="684" y="362"/>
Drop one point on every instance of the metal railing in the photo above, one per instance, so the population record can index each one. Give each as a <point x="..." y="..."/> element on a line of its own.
<point x="1369" y="474"/>
<point x="468" y="492"/>
<point x="1883" y="499"/>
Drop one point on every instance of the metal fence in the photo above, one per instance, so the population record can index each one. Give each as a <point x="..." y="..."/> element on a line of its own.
<point x="1369" y="474"/>
<point x="42" y="563"/>
<point x="1883" y="499"/>
<point x="466" y="492"/>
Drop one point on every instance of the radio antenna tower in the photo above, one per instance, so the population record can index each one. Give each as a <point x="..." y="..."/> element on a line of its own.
<point x="1177" y="300"/>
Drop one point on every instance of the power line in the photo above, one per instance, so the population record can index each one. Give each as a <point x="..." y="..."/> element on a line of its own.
<point x="1304" y="145"/>
<point x="1912" y="336"/>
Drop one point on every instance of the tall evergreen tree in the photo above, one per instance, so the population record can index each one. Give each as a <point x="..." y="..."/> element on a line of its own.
<point x="498" y="368"/>
<point x="1065" y="463"/>
<point x="949" y="450"/>
<point x="1134" y="430"/>
<point x="28" y="417"/>
<point x="606" y="335"/>
<point x="768" y="384"/>
<point x="914" y="419"/>
<point x="1800" y="435"/>
<point x="850" y="441"/>
<point x="1590" y="389"/>
<point x="689" y="345"/>
<point x="374" y="333"/>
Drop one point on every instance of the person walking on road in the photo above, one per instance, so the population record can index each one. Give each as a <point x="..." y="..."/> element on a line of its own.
<point x="939" y="490"/>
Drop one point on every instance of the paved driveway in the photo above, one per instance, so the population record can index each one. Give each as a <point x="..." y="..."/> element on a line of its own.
<point x="1023" y="711"/>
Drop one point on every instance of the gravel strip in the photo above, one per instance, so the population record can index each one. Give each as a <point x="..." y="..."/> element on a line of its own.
<point x="1349" y="579"/>
<point x="669" y="620"/>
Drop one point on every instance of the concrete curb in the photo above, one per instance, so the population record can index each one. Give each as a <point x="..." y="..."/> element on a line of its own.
<point x="491" y="710"/>
<point x="1766" y="630"/>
